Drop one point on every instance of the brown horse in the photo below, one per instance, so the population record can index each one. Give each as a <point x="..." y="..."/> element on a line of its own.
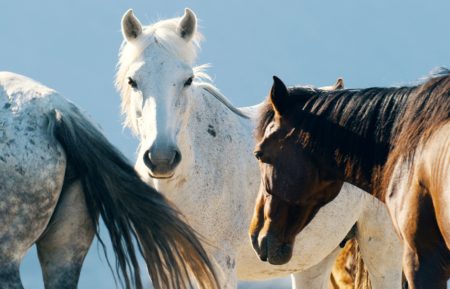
<point x="348" y="271"/>
<point x="392" y="142"/>
<point x="273" y="214"/>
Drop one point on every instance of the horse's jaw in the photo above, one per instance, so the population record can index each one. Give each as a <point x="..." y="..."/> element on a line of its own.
<point x="142" y="170"/>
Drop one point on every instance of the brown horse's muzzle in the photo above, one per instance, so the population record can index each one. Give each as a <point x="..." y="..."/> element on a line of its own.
<point x="271" y="249"/>
<point x="274" y="226"/>
<point x="266" y="242"/>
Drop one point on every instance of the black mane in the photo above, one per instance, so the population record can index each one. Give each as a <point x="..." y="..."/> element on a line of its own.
<point x="359" y="127"/>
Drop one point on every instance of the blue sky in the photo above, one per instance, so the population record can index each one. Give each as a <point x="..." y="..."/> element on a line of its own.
<point x="72" y="46"/>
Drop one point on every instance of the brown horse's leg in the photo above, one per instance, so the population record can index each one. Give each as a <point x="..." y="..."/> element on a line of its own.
<point x="426" y="257"/>
<point x="423" y="272"/>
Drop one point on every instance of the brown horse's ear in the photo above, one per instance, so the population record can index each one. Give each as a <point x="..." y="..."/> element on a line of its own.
<point x="279" y="96"/>
<point x="339" y="84"/>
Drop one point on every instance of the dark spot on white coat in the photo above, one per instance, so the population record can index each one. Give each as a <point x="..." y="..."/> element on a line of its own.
<point x="211" y="130"/>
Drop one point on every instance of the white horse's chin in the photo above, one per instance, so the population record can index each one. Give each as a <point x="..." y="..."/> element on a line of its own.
<point x="161" y="174"/>
<point x="161" y="177"/>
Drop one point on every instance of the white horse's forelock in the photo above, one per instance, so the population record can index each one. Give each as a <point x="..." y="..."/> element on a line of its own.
<point x="162" y="33"/>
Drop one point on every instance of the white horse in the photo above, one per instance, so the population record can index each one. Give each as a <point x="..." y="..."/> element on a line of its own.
<point x="58" y="173"/>
<point x="196" y="148"/>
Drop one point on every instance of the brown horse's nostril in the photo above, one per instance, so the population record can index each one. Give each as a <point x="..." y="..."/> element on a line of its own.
<point x="255" y="243"/>
<point x="263" y="249"/>
<point x="258" y="154"/>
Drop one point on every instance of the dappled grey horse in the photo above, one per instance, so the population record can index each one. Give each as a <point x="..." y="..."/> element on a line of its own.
<point x="57" y="175"/>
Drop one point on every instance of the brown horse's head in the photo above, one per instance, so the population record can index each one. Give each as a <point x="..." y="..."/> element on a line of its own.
<point x="295" y="184"/>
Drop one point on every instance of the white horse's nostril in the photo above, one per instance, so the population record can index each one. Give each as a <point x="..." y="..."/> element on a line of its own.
<point x="147" y="160"/>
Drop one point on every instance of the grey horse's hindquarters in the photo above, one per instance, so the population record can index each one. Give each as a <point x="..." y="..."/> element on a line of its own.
<point x="31" y="176"/>
<point x="131" y="210"/>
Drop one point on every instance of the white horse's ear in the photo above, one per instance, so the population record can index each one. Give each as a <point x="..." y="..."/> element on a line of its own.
<point x="339" y="83"/>
<point x="131" y="27"/>
<point x="188" y="25"/>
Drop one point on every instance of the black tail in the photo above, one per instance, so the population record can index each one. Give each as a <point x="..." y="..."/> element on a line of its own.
<point x="131" y="210"/>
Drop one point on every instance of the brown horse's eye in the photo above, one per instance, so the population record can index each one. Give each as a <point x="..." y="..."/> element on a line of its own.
<point x="132" y="83"/>
<point x="258" y="154"/>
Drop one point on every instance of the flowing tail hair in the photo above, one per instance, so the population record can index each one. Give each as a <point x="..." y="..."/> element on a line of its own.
<point x="349" y="271"/>
<point x="361" y="275"/>
<point x="135" y="214"/>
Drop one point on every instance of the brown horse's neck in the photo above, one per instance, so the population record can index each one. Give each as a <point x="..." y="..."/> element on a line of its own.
<point x="368" y="181"/>
<point x="354" y="159"/>
<point x="360" y="128"/>
<point x="352" y="130"/>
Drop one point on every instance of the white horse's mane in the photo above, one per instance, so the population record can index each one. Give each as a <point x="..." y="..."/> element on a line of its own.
<point x="203" y="80"/>
<point x="164" y="33"/>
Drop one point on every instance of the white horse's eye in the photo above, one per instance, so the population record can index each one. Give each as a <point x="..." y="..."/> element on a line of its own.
<point x="132" y="83"/>
<point x="189" y="81"/>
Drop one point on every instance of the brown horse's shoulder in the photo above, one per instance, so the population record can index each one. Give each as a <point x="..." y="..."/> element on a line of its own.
<point x="433" y="163"/>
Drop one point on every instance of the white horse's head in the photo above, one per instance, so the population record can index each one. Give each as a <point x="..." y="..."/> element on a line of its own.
<point x="155" y="79"/>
